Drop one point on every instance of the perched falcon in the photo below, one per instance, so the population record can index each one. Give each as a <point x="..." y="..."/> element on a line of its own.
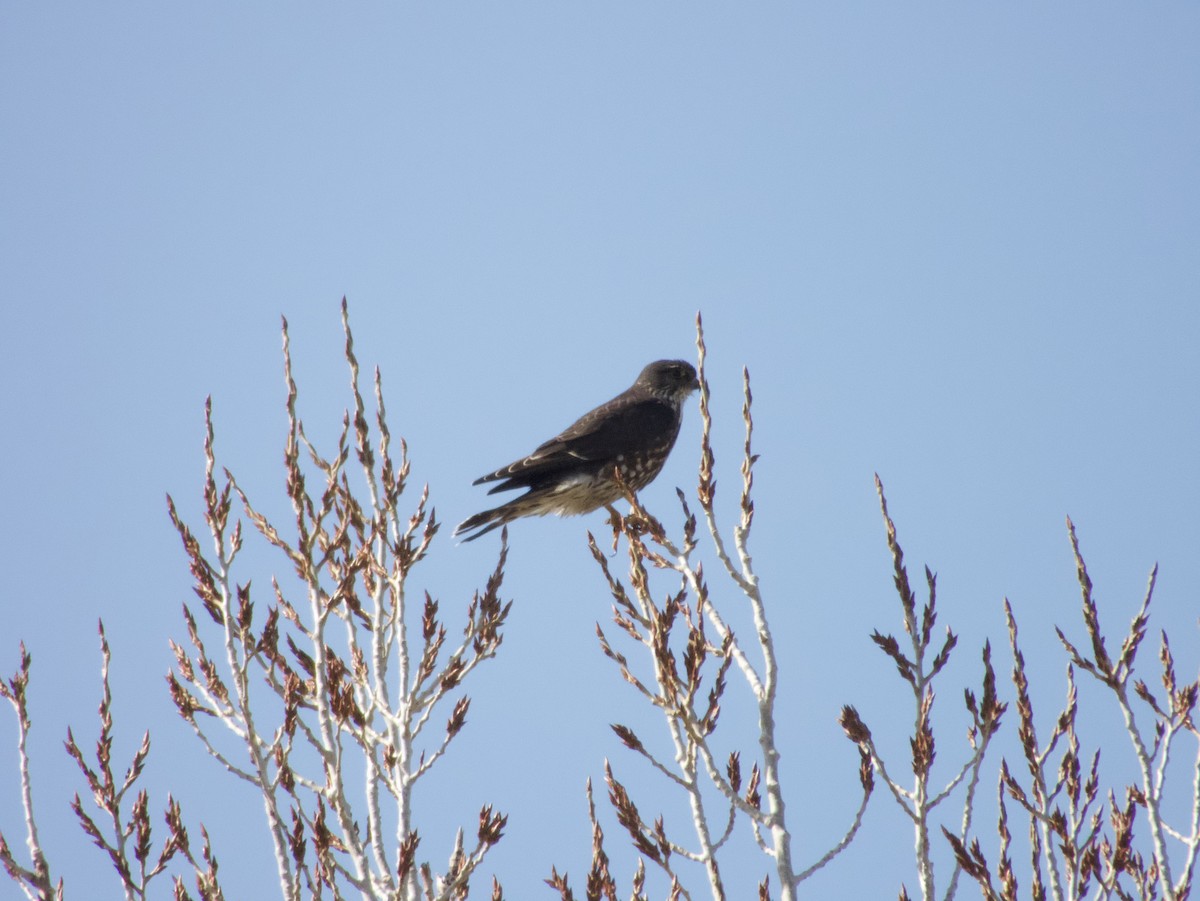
<point x="572" y="473"/>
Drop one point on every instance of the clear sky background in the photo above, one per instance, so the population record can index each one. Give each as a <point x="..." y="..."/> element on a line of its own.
<point x="957" y="245"/>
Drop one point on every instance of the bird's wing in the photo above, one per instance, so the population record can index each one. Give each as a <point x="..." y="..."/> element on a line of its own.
<point x="621" y="426"/>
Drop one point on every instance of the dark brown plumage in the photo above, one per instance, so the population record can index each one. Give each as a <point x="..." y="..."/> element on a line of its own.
<point x="572" y="473"/>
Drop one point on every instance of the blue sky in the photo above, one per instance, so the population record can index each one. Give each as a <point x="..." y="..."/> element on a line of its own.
<point x="955" y="245"/>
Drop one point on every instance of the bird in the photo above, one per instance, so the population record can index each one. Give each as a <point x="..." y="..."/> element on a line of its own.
<point x="574" y="472"/>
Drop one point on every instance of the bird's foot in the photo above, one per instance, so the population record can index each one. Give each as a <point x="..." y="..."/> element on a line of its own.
<point x="639" y="522"/>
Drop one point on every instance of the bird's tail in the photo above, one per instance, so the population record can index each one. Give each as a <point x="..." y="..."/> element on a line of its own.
<point x="486" y="521"/>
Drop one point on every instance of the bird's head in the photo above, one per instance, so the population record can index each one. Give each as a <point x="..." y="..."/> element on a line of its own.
<point x="671" y="380"/>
